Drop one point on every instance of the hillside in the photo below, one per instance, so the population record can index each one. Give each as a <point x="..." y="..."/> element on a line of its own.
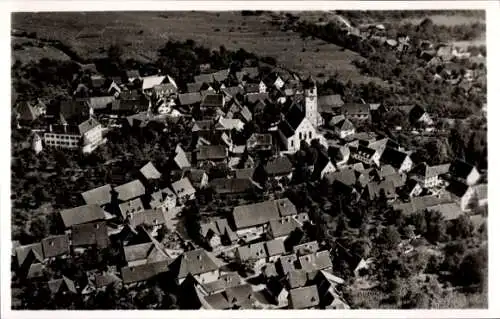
<point x="142" y="33"/>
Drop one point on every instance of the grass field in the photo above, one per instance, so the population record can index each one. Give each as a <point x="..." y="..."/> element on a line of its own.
<point x="447" y="20"/>
<point x="142" y="33"/>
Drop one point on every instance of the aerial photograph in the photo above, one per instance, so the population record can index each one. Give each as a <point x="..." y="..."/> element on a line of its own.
<point x="249" y="160"/>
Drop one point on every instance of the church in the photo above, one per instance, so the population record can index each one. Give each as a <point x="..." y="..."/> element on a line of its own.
<point x="301" y="119"/>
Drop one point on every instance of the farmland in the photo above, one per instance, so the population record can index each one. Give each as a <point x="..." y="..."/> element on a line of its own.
<point x="140" y="34"/>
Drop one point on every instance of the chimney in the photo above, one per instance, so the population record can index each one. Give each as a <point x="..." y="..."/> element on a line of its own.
<point x="50" y="127"/>
<point x="65" y="126"/>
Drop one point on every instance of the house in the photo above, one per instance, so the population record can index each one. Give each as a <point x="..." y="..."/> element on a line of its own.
<point x="274" y="80"/>
<point x="421" y="203"/>
<point x="261" y="252"/>
<point x="239" y="297"/>
<point x="133" y="275"/>
<point x="224" y="124"/>
<point x="232" y="186"/>
<point x="259" y="142"/>
<point x="29" y="254"/>
<point x="152" y="219"/>
<point x="132" y="75"/>
<point x="212" y="100"/>
<point x="81" y="215"/>
<point x="55" y="246"/>
<point x="462" y="194"/>
<point x="217" y="232"/>
<point x="250" y="220"/>
<point x="397" y="159"/>
<point x="303" y="297"/>
<point x="164" y="198"/>
<point x="181" y="159"/>
<point x="100" y="195"/>
<point x="322" y="166"/>
<point x="165" y="90"/>
<point x="226" y="281"/>
<point x="90" y="234"/>
<point x="87" y="136"/>
<point x="419" y="115"/>
<point x="150" y="172"/>
<point x="100" y="103"/>
<point x="198" y="177"/>
<point x="366" y="155"/>
<point x="316" y="261"/>
<point x="129" y="102"/>
<point x="148" y="82"/>
<point x="102" y="281"/>
<point x="212" y="153"/>
<point x="356" y="111"/>
<point x="281" y="228"/>
<point x="463" y="172"/>
<point x="279" y="168"/>
<point x="28" y="112"/>
<point x="63" y="286"/>
<point x="344" y="128"/>
<point x="238" y="111"/>
<point x="413" y="188"/>
<point x="429" y="176"/>
<point x="329" y="103"/>
<point x="340" y="155"/>
<point x="131" y="207"/>
<point x="189" y="99"/>
<point x="130" y="190"/>
<point x="306" y="248"/>
<point x="184" y="190"/>
<point x="198" y="263"/>
<point x="141" y="254"/>
<point x="374" y="189"/>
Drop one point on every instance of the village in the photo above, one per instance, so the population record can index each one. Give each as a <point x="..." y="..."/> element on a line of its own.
<point x="247" y="245"/>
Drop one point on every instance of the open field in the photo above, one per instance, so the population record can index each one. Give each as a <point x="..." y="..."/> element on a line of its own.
<point x="29" y="50"/>
<point x="447" y="20"/>
<point x="142" y="33"/>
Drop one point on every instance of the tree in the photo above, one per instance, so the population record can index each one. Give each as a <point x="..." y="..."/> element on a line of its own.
<point x="436" y="227"/>
<point x="389" y="238"/>
<point x="461" y="227"/>
<point x="473" y="269"/>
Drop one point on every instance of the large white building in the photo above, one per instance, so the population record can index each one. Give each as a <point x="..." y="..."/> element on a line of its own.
<point x="87" y="136"/>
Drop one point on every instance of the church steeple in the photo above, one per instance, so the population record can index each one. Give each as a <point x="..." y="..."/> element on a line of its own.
<point x="311" y="101"/>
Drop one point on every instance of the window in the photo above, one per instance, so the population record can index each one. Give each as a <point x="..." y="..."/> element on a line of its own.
<point x="300" y="135"/>
<point x="310" y="135"/>
<point x="291" y="143"/>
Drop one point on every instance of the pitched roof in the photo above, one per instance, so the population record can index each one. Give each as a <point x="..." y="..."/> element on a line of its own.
<point x="149" y="82"/>
<point x="255" y="214"/>
<point x="420" y="203"/>
<point x="280" y="165"/>
<point x="99" y="195"/>
<point x="181" y="158"/>
<point x="143" y="272"/>
<point x="393" y="157"/>
<point x="212" y="100"/>
<point x="65" y="283"/>
<point x="189" y="98"/>
<point x="106" y="279"/>
<point x="304" y="297"/>
<point x="244" y="173"/>
<point x="193" y="262"/>
<point x="149" y="171"/>
<point x="130" y="190"/>
<point x="254" y="98"/>
<point x="252" y="251"/>
<point x="315" y="261"/>
<point x="396" y="179"/>
<point x="95" y="233"/>
<point x="275" y="247"/>
<point x="81" y="214"/>
<point x="225" y="281"/>
<point x="356" y="108"/>
<point x="306" y="248"/>
<point x="22" y="252"/>
<point x="137" y="252"/>
<point x="283" y="227"/>
<point x="375" y="188"/>
<point x="460" y="169"/>
<point x="55" y="245"/>
<point x="183" y="187"/>
<point x="149" y="217"/>
<point x="27" y="112"/>
<point x="203" y="125"/>
<point x="131" y="207"/>
<point x="457" y="189"/>
<point x="231" y="185"/>
<point x="327" y="102"/>
<point x="133" y="73"/>
<point x="212" y="152"/>
<point x="344" y="125"/>
<point x="100" y="102"/>
<point x="87" y="125"/>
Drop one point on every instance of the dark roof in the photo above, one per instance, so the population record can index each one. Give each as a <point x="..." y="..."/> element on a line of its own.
<point x="304" y="297"/>
<point x="356" y="108"/>
<point x="143" y="272"/>
<point x="130" y="190"/>
<point x="254" y="98"/>
<point x="283" y="227"/>
<point x="150" y="217"/>
<point x="70" y="109"/>
<point x="189" y="98"/>
<point x="346" y="177"/>
<point x="193" y="262"/>
<point x="106" y="279"/>
<point x="212" y="152"/>
<point x="375" y="188"/>
<point x="306" y="248"/>
<point x="63" y="284"/>
<point x="327" y="102"/>
<point x="279" y="166"/>
<point x="212" y="100"/>
<point x="95" y="233"/>
<point x="316" y="261"/>
<point x="35" y="250"/>
<point x="27" y="112"/>
<point x="133" y="73"/>
<point x="100" y="102"/>
<point x="393" y="157"/>
<point x="231" y="185"/>
<point x="457" y="189"/>
<point x="460" y="169"/>
<point x="55" y="245"/>
<point x="81" y="214"/>
<point x="225" y="281"/>
<point x="261" y="213"/>
<point x="99" y="195"/>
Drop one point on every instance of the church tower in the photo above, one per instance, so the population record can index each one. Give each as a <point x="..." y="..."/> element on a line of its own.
<point x="36" y="143"/>
<point x="311" y="101"/>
